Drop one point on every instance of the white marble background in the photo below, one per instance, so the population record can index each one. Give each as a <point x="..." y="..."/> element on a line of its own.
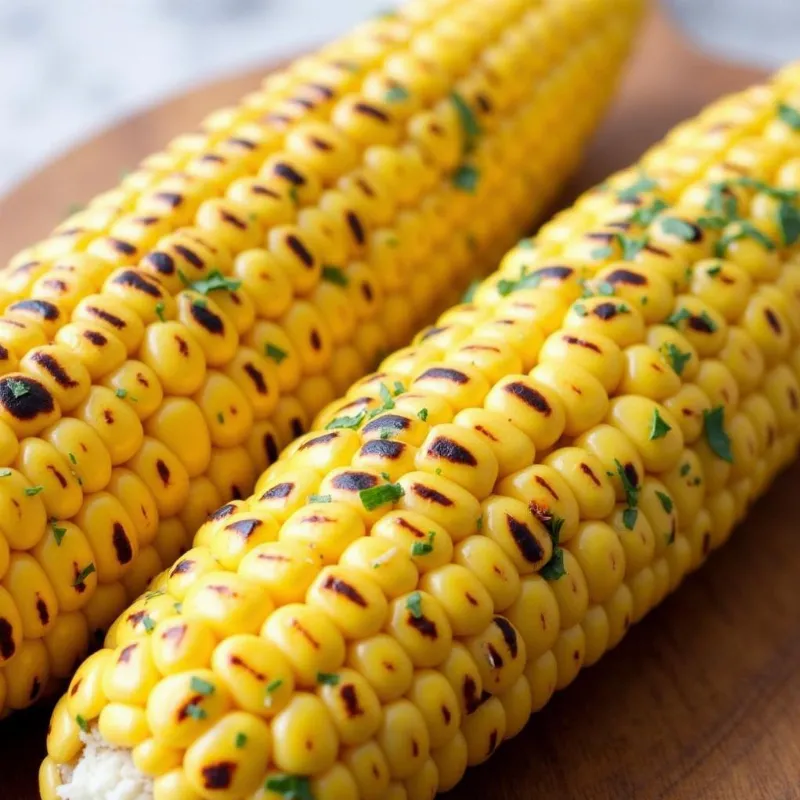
<point x="69" y="67"/>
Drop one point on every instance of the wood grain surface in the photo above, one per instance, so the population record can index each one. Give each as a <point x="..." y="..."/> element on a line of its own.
<point x="702" y="699"/>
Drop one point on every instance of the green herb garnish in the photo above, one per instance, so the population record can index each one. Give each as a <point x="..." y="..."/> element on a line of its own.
<point x="659" y="428"/>
<point x="717" y="438"/>
<point x="334" y="275"/>
<point x="376" y="496"/>
<point x="414" y="605"/>
<point x="275" y="353"/>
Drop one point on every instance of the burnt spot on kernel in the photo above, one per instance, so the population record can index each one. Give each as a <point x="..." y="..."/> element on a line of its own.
<point x="444" y="374"/>
<point x="219" y="775"/>
<point x="136" y="280"/>
<point x="55" y="284"/>
<point x="631" y="474"/>
<point x="182" y="567"/>
<point x="322" y="439"/>
<point x="54" y="369"/>
<point x="95" y="337"/>
<point x="605" y="311"/>
<point x="524" y="539"/>
<point x="383" y="448"/>
<point x="298" y="626"/>
<point x="25" y="398"/>
<point x="701" y="323"/>
<point x="212" y="158"/>
<point x="299" y="249"/>
<point x="190" y="256"/>
<point x="244" y="527"/>
<point x="493" y="736"/>
<point x="121" y="543"/>
<point x="558" y="272"/>
<point x="324" y="91"/>
<point x="626" y="276"/>
<point x="469" y="690"/>
<point x="163" y="472"/>
<point x="162" y="263"/>
<point x="113" y="320"/>
<point x="343" y="588"/>
<point x="238" y="141"/>
<point x="494" y="659"/>
<point x="356" y="228"/>
<point x="258" y="188"/>
<point x="278" y="492"/>
<point x="121" y="246"/>
<point x="36" y="687"/>
<point x="288" y="173"/>
<point x="509" y="635"/>
<point x="297" y="427"/>
<point x="350" y="699"/>
<point x="42" y="308"/>
<point x="392" y="422"/>
<point x="41" y="610"/>
<point x="486" y="432"/>
<point x="270" y="447"/>
<point x="431" y="495"/>
<point x="354" y="481"/>
<point x="574" y="340"/>
<point x="256" y="376"/>
<point x="172" y="199"/>
<point x="424" y="626"/>
<point x="315" y="340"/>
<point x="236" y="661"/>
<point x="183" y="346"/>
<point x="126" y="653"/>
<point x="587" y="470"/>
<point x="529" y="396"/>
<point x="433" y="331"/>
<point x="773" y="321"/>
<point x="57" y="475"/>
<point x="447" y="715"/>
<point x="366" y="291"/>
<point x="206" y="318"/>
<point x="222" y="512"/>
<point x="174" y="634"/>
<point x="232" y="219"/>
<point x="370" y="111"/>
<point x="449" y="450"/>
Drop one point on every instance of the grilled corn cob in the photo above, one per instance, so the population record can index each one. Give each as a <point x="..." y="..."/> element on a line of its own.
<point x="486" y="515"/>
<point x="161" y="346"/>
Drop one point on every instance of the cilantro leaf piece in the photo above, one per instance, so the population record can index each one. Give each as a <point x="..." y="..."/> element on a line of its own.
<point x="469" y="122"/>
<point x="274" y="352"/>
<point x="666" y="501"/>
<point x="680" y="228"/>
<point x="214" y="282"/>
<point x="789" y="115"/>
<point x="659" y="427"/>
<point x="334" y="275"/>
<point x="83" y="574"/>
<point x="629" y="517"/>
<point x="714" y="427"/>
<point x="320" y="498"/>
<point x="414" y="605"/>
<point x="328" y="678"/>
<point x="789" y="222"/>
<point x="554" y="568"/>
<point x="290" y="787"/>
<point x="396" y="94"/>
<point x="641" y="185"/>
<point x="466" y="178"/>
<point x="201" y="686"/>
<point x="676" y="358"/>
<point x="351" y="422"/>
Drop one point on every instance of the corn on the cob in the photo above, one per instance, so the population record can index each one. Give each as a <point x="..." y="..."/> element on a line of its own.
<point x="161" y="346"/>
<point x="485" y="516"/>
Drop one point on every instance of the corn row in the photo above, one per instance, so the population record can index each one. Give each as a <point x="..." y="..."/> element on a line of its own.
<point x="486" y="515"/>
<point x="159" y="349"/>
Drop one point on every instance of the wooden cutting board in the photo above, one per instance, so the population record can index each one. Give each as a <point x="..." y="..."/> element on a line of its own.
<point x="702" y="699"/>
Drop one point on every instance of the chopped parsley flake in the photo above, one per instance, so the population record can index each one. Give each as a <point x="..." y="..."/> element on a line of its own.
<point x="466" y="178"/>
<point x="789" y="115"/>
<point x="526" y="280"/>
<point x="290" y="787"/>
<point x="240" y="741"/>
<point x="215" y="282"/>
<point x="423" y="414"/>
<point x="275" y="353"/>
<point x="320" y="498"/>
<point x="82" y="723"/>
<point x="641" y="185"/>
<point x="554" y="568"/>
<point x="334" y="275"/>
<point x="160" y="311"/>
<point x="722" y="201"/>
<point x="666" y="501"/>
<point x="743" y="230"/>
<point x="328" y="678"/>
<point x="18" y="388"/>
<point x="469" y="122"/>
<point x="396" y="94"/>
<point x="714" y="271"/>
<point x="629" y="517"/>
<point x="789" y="222"/>
<point x="376" y="496"/>
<point x="677" y="317"/>
<point x="72" y="458"/>
<point x="717" y="438"/>
<point x="194" y="711"/>
<point x="4" y="473"/>
<point x="469" y="294"/>
<point x="646" y="214"/>
<point x="351" y="422"/>
<point x="679" y="228"/>
<point x="685" y="470"/>
<point x="200" y="686"/>
<point x="81" y="577"/>
<point x="121" y="393"/>
<point x="423" y="548"/>
<point x="32" y="491"/>
<point x="148" y="624"/>
<point x="659" y="428"/>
